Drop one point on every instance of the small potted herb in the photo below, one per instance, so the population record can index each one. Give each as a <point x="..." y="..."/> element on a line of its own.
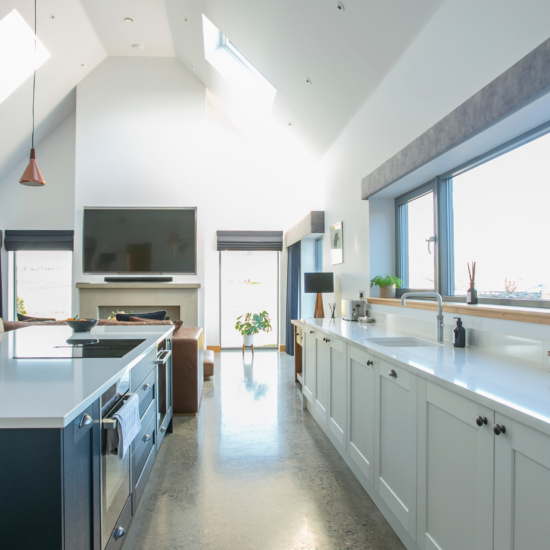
<point x="252" y="324"/>
<point x="387" y="285"/>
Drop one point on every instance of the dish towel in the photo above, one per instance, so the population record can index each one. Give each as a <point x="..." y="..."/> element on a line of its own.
<point x="128" y="424"/>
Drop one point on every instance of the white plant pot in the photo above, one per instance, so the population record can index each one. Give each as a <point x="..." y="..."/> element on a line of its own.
<point x="387" y="291"/>
<point x="248" y="340"/>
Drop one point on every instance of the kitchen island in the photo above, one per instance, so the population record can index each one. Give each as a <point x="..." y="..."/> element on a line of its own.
<point x="452" y="444"/>
<point x="60" y="487"/>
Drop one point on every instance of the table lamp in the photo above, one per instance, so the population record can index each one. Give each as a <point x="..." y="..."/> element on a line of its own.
<point x="318" y="283"/>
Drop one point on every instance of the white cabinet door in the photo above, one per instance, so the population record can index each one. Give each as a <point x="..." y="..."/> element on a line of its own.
<point x="309" y="360"/>
<point x="522" y="487"/>
<point x="322" y="375"/>
<point x="361" y="392"/>
<point x="395" y="440"/>
<point x="337" y="396"/>
<point x="455" y="471"/>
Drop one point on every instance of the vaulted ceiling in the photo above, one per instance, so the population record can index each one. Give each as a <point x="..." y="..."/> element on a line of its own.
<point x="345" y="54"/>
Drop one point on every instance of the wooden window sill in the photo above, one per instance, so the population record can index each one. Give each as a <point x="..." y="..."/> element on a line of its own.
<point x="506" y="313"/>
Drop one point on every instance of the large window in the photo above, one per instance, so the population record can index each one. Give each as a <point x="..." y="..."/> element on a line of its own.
<point x="43" y="282"/>
<point x="492" y="211"/>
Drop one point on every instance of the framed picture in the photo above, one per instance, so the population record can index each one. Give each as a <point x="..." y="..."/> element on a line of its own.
<point x="336" y="244"/>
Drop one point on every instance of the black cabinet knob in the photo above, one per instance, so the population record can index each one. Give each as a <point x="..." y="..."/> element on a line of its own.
<point x="311" y="331"/>
<point x="119" y="533"/>
<point x="369" y="362"/>
<point x="392" y="373"/>
<point x="499" y="429"/>
<point x="86" y="420"/>
<point x="480" y="420"/>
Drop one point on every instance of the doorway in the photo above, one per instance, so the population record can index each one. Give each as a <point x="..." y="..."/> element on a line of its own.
<point x="249" y="283"/>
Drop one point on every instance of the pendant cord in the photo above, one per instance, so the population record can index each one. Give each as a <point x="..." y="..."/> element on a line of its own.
<point x="34" y="77"/>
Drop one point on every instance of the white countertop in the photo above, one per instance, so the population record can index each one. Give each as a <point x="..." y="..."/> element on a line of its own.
<point x="520" y="389"/>
<point x="50" y="393"/>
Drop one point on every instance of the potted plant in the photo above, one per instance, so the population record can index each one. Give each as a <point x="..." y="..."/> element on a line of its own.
<point x="387" y="285"/>
<point x="252" y="324"/>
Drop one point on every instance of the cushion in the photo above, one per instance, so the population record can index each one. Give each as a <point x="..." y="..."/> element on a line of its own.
<point x="142" y="321"/>
<point x="157" y="315"/>
<point x="28" y="319"/>
<point x="14" y="325"/>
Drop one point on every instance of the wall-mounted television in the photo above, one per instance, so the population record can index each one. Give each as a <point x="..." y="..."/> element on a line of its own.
<point x="140" y="240"/>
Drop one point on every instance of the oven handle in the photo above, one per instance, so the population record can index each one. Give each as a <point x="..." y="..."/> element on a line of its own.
<point x="162" y="357"/>
<point x="112" y="423"/>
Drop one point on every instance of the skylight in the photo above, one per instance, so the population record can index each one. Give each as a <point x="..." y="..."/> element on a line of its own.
<point x="235" y="67"/>
<point x="17" y="54"/>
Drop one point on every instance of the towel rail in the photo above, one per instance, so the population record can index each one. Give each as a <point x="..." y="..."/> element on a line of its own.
<point x="112" y="423"/>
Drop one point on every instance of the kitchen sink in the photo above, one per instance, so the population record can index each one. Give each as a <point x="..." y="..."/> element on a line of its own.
<point x="400" y="342"/>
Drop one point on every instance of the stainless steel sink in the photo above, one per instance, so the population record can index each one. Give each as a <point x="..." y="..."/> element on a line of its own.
<point x="400" y="342"/>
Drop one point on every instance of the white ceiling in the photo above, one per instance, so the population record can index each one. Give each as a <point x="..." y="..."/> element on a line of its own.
<point x="345" y="54"/>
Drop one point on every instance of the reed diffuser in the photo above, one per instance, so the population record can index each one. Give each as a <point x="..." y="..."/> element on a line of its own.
<point x="471" y="295"/>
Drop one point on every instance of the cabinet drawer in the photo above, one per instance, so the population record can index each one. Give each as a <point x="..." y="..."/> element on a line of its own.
<point x="142" y="370"/>
<point x="146" y="393"/>
<point x="150" y="414"/>
<point x="139" y="484"/>
<point x="143" y="448"/>
<point x="118" y="536"/>
<point x="401" y="377"/>
<point x="83" y="423"/>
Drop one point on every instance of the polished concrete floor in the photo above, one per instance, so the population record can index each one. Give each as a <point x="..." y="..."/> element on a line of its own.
<point x="254" y="472"/>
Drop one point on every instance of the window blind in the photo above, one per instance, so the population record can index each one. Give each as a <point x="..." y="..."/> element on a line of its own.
<point x="39" y="240"/>
<point x="250" y="240"/>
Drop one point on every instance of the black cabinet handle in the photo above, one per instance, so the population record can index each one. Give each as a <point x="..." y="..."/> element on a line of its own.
<point x="480" y="420"/>
<point x="86" y="420"/>
<point x="311" y="331"/>
<point x="162" y="430"/>
<point x="146" y="437"/>
<point x="119" y="533"/>
<point x="369" y="362"/>
<point x="147" y="387"/>
<point x="499" y="429"/>
<point x="392" y="373"/>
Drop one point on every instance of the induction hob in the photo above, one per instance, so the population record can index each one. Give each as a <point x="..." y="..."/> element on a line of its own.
<point x="81" y="348"/>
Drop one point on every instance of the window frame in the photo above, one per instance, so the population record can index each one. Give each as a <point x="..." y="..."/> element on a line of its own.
<point x="442" y="187"/>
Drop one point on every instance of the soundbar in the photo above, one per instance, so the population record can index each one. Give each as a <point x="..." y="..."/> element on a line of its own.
<point x="138" y="279"/>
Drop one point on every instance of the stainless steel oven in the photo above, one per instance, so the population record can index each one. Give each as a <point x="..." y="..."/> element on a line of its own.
<point x="115" y="473"/>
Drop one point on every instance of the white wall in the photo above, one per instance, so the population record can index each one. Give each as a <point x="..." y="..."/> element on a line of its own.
<point x="464" y="47"/>
<point x="143" y="139"/>
<point x="48" y="207"/>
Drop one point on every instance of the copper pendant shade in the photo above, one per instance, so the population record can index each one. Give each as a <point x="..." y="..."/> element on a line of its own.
<point x="32" y="175"/>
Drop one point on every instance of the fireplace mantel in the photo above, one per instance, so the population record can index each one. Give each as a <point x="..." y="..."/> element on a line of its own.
<point x="138" y="285"/>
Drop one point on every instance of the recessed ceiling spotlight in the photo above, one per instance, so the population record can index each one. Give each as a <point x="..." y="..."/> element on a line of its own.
<point x="52" y="16"/>
<point x="340" y="6"/>
<point x="128" y="20"/>
<point x="192" y="66"/>
<point x="290" y="123"/>
<point x="308" y="81"/>
<point x="185" y="19"/>
<point x="137" y="46"/>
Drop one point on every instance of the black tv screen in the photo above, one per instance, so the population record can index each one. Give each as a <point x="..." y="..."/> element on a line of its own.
<point x="140" y="240"/>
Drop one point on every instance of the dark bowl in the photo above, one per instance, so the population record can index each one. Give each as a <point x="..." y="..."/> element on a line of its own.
<point x="82" y="326"/>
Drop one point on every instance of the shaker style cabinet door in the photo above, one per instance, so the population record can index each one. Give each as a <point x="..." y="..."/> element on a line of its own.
<point x="522" y="487"/>
<point x="322" y="376"/>
<point x="455" y="471"/>
<point x="309" y="364"/>
<point x="361" y="410"/>
<point x="338" y="408"/>
<point x="395" y="440"/>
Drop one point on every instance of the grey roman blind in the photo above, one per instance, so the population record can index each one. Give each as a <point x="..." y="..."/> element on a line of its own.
<point x="250" y="240"/>
<point x="39" y="240"/>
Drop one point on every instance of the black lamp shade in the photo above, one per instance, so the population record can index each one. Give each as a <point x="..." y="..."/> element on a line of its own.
<point x="318" y="282"/>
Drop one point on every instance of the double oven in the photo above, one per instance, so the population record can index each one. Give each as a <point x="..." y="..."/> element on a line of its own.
<point x="123" y="480"/>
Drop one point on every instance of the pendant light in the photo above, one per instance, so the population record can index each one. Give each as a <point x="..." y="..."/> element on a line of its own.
<point x="32" y="175"/>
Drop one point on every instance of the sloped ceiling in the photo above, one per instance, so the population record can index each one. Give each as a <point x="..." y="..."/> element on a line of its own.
<point x="345" y="54"/>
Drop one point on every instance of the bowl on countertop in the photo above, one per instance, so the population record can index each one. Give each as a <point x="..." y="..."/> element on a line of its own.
<point x="82" y="326"/>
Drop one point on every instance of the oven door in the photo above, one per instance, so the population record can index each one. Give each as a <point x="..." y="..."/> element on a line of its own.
<point x="115" y="473"/>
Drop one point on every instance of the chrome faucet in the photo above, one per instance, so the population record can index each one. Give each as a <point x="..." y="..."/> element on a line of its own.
<point x="440" y="325"/>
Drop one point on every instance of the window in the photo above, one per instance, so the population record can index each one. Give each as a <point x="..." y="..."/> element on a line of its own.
<point x="43" y="283"/>
<point x="18" y="59"/>
<point x="254" y="89"/>
<point x="492" y="211"/>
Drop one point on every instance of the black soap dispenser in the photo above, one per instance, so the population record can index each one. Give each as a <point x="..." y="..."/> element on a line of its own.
<point x="460" y="334"/>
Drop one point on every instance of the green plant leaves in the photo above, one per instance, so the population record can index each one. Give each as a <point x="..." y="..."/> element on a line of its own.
<point x="386" y="280"/>
<point x="253" y="323"/>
